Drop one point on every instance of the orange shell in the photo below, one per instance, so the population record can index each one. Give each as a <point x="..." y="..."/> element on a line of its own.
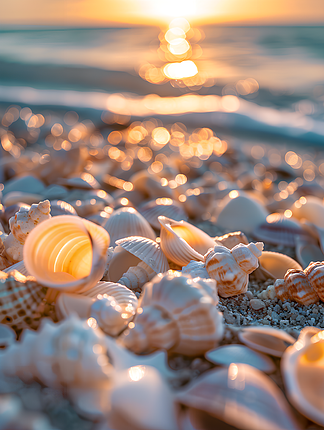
<point x="315" y="276"/>
<point x="299" y="288"/>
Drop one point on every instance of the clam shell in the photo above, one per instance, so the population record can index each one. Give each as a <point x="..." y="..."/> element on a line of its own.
<point x="59" y="207"/>
<point x="182" y="242"/>
<point x="146" y="250"/>
<point x="84" y="181"/>
<point x="20" y="298"/>
<point x="16" y="197"/>
<point x="241" y="212"/>
<point x="120" y="261"/>
<point x="308" y="251"/>
<point x="279" y="230"/>
<point x="227" y="354"/>
<point x="302" y="370"/>
<point x="310" y="208"/>
<point x="162" y="207"/>
<point x="275" y="265"/>
<point x="66" y="253"/>
<point x="125" y="222"/>
<point x="225" y="394"/>
<point x="266" y="339"/>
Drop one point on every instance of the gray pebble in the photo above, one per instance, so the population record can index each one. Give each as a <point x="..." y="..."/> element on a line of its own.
<point x="249" y="295"/>
<point x="257" y="304"/>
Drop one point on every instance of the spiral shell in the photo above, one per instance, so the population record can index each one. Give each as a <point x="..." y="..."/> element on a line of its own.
<point x="182" y="242"/>
<point x="305" y="287"/>
<point x="231" y="268"/>
<point x="176" y="313"/>
<point x="137" y="276"/>
<point x="21" y="225"/>
<point x="196" y="269"/>
<point x="67" y="253"/>
<point x="125" y="222"/>
<point x="19" y="299"/>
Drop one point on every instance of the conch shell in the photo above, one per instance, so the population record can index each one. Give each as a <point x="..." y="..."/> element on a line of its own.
<point x="231" y="268"/>
<point x="182" y="242"/>
<point x="196" y="269"/>
<point x="20" y="299"/>
<point x="305" y="287"/>
<point x="177" y="313"/>
<point x="70" y="354"/>
<point x="112" y="305"/>
<point x="67" y="253"/>
<point x="21" y="225"/>
<point x="303" y="373"/>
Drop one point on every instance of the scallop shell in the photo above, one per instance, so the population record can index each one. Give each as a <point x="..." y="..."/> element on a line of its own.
<point x="231" y="268"/>
<point x="146" y="250"/>
<point x="162" y="207"/>
<point x="59" y="207"/>
<point x="67" y="253"/>
<point x="225" y="394"/>
<point x="305" y="287"/>
<point x="112" y="309"/>
<point x="310" y="208"/>
<point x="21" y="225"/>
<point x="69" y="355"/>
<point x="182" y="242"/>
<point x="268" y="340"/>
<point x="125" y="222"/>
<point x="240" y="211"/>
<point x="176" y="313"/>
<point x="142" y="399"/>
<point x="20" y="298"/>
<point x="279" y="230"/>
<point x="303" y="372"/>
<point x="275" y="265"/>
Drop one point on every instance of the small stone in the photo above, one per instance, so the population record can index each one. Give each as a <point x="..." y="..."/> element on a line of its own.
<point x="312" y="322"/>
<point x="277" y="308"/>
<point x="229" y="317"/>
<point x="249" y="295"/>
<point x="284" y="323"/>
<point x="286" y="306"/>
<point x="257" y="304"/>
<point x="274" y="316"/>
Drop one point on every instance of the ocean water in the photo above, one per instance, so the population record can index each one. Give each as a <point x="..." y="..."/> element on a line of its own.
<point x="99" y="69"/>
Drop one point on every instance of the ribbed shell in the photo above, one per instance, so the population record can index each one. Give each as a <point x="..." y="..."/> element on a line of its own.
<point x="182" y="242"/>
<point x="162" y="207"/>
<point x="59" y="207"/>
<point x="279" y="230"/>
<point x="137" y="276"/>
<point x="67" y="253"/>
<point x="195" y="269"/>
<point x="19" y="299"/>
<point x="125" y="222"/>
<point x="146" y="250"/>
<point x="299" y="288"/>
<point x="315" y="276"/>
<point x="185" y="308"/>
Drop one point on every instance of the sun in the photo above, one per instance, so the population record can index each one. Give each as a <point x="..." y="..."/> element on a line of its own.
<point x="174" y="8"/>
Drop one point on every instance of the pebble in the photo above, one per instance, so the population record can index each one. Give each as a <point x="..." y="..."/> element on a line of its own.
<point x="257" y="304"/>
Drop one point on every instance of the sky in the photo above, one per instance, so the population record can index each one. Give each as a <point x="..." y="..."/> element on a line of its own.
<point x="121" y="12"/>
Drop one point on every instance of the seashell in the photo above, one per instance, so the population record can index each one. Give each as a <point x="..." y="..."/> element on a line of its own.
<point x="112" y="309"/>
<point x="147" y="250"/>
<point x="59" y="207"/>
<point x="66" y="253"/>
<point x="279" y="230"/>
<point x="268" y="340"/>
<point x="137" y="276"/>
<point x="302" y="370"/>
<point x="309" y="208"/>
<point x="231" y="239"/>
<point x="4" y="262"/>
<point x="20" y="297"/>
<point x="20" y="267"/>
<point x="227" y="354"/>
<point x="240" y="211"/>
<point x="21" y="225"/>
<point x="149" y="185"/>
<point x="162" y="207"/>
<point x="231" y="268"/>
<point x="225" y="395"/>
<point x="125" y="222"/>
<point x="83" y="181"/>
<point x="197" y="205"/>
<point x="177" y="313"/>
<point x="182" y="242"/>
<point x="10" y="211"/>
<point x="307" y="251"/>
<point x="196" y="269"/>
<point x="275" y="265"/>
<point x="142" y="399"/>
<point x="303" y="286"/>
<point x="87" y="207"/>
<point x="24" y="184"/>
<point x="69" y="355"/>
<point x="119" y="262"/>
<point x="7" y="336"/>
<point x="16" y="197"/>
<point x="54" y="192"/>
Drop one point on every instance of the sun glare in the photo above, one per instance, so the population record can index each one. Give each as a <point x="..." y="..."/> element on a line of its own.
<point x="174" y="9"/>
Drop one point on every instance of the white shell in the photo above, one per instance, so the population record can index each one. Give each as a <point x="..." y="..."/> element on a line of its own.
<point x="307" y="251"/>
<point x="196" y="269"/>
<point x="67" y="253"/>
<point x="231" y="268"/>
<point x="162" y="207"/>
<point x="125" y="222"/>
<point x="232" y="239"/>
<point x="182" y="242"/>
<point x="309" y="208"/>
<point x="21" y="225"/>
<point x="266" y="339"/>
<point x="275" y="265"/>
<point x="226" y="395"/>
<point x="142" y="399"/>
<point x="177" y="313"/>
<point x="303" y="372"/>
<point x="241" y="212"/>
<point x="137" y="276"/>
